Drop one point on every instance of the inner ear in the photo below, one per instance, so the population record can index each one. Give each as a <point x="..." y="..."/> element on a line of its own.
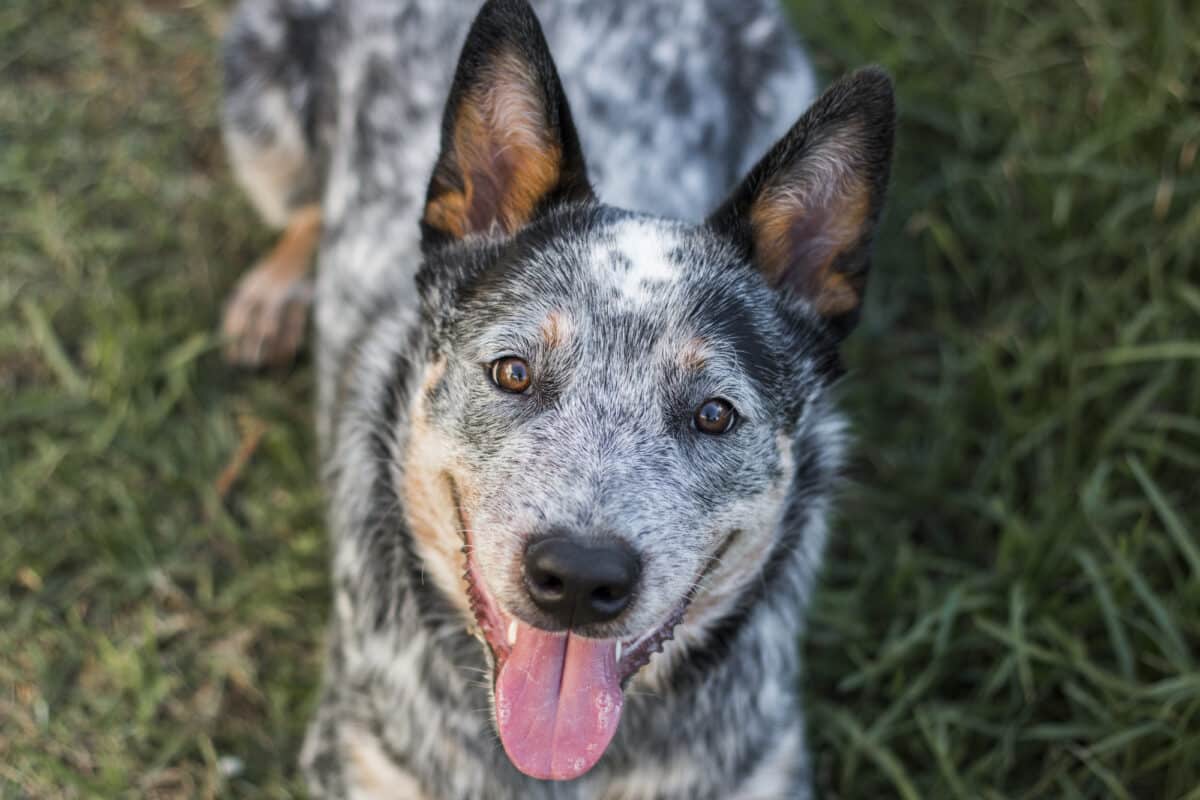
<point x="509" y="146"/>
<point x="503" y="156"/>
<point x="811" y="226"/>
<point x="806" y="213"/>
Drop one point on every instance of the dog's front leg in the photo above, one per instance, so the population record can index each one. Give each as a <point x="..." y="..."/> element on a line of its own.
<point x="267" y="313"/>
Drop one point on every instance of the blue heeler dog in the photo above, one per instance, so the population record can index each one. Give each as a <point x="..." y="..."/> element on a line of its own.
<point x="578" y="456"/>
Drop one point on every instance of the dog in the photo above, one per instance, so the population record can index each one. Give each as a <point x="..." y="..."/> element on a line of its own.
<point x="575" y="364"/>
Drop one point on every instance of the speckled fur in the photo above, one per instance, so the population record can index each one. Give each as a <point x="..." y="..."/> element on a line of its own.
<point x="674" y="100"/>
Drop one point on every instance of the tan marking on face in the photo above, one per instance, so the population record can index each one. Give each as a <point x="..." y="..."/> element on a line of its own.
<point x="502" y="154"/>
<point x="556" y="329"/>
<point x="743" y="560"/>
<point x="428" y="499"/>
<point x="694" y="354"/>
<point x="370" y="774"/>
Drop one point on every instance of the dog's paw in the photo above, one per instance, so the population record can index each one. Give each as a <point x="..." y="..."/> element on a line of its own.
<point x="266" y="316"/>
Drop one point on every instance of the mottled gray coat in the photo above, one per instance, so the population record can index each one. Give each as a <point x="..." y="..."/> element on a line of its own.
<point x="627" y="320"/>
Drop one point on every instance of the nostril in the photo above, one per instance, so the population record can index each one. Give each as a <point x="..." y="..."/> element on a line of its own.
<point x="609" y="600"/>
<point x="548" y="584"/>
<point x="578" y="583"/>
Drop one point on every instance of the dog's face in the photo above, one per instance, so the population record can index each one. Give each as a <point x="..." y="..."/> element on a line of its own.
<point x="604" y="439"/>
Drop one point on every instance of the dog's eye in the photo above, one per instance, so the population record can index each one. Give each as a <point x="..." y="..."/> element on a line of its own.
<point x="511" y="374"/>
<point x="715" y="416"/>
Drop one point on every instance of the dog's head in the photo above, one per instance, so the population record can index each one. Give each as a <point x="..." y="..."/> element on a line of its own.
<point x="604" y="438"/>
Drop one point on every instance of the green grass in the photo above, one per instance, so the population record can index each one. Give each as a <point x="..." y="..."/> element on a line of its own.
<point x="1012" y="603"/>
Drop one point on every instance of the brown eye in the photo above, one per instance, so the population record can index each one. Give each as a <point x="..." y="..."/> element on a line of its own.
<point x="715" y="416"/>
<point x="511" y="374"/>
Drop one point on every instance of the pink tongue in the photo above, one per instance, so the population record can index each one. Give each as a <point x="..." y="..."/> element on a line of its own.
<point x="558" y="702"/>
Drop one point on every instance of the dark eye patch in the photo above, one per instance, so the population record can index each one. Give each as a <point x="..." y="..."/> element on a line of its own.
<point x="754" y="354"/>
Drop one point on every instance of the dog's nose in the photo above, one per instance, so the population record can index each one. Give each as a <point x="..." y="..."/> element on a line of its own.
<point x="577" y="583"/>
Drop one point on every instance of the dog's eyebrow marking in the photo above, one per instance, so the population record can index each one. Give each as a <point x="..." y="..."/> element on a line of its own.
<point x="694" y="354"/>
<point x="556" y="329"/>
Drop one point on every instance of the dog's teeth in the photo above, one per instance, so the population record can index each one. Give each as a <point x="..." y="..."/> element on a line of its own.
<point x="512" y="633"/>
<point x="618" y="651"/>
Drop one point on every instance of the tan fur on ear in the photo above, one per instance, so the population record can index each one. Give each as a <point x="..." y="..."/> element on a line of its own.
<point x="448" y="213"/>
<point x="502" y="153"/>
<point x="788" y="225"/>
<point x="806" y="213"/>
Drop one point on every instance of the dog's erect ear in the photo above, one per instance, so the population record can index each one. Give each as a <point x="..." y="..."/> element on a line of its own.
<point x="806" y="213"/>
<point x="509" y="147"/>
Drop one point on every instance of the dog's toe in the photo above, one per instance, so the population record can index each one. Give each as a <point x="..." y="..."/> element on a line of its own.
<point x="283" y="328"/>
<point x="265" y="319"/>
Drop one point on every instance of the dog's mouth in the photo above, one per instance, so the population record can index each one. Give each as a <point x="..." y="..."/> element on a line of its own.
<point x="558" y="695"/>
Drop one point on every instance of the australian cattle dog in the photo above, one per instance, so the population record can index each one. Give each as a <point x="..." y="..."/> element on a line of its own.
<point x="583" y="270"/>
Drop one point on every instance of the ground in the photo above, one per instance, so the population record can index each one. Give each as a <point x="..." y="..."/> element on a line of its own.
<point x="1012" y="603"/>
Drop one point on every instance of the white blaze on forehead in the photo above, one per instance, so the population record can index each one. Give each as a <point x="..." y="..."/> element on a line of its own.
<point x="637" y="260"/>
